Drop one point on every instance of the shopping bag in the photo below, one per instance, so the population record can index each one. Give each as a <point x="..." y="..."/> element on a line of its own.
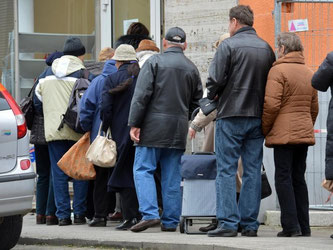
<point x="103" y="151"/>
<point x="74" y="163"/>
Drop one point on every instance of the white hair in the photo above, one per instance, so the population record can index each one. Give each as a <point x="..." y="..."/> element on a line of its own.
<point x="180" y="45"/>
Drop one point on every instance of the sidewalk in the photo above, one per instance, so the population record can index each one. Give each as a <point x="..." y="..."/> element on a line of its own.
<point x="153" y="238"/>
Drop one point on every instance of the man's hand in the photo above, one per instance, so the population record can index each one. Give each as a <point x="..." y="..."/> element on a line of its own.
<point x="191" y="133"/>
<point x="135" y="134"/>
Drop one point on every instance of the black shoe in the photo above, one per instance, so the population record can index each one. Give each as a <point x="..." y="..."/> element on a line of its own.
<point x="97" y="222"/>
<point x="306" y="234"/>
<point x="289" y="234"/>
<point x="249" y="233"/>
<point x="210" y="227"/>
<point x="239" y="229"/>
<point x="79" y="219"/>
<point x="168" y="229"/>
<point x="127" y="224"/>
<point x="331" y="236"/>
<point x="221" y="232"/>
<point x="65" y="222"/>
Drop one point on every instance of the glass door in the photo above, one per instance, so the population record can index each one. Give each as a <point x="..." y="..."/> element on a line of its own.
<point x="125" y="12"/>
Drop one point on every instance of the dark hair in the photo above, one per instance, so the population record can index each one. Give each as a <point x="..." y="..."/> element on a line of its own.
<point x="137" y="28"/>
<point x="243" y="13"/>
<point x="290" y="41"/>
<point x="133" y="71"/>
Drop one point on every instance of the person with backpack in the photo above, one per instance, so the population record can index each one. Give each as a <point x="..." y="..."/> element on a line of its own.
<point x="54" y="91"/>
<point x="90" y="120"/>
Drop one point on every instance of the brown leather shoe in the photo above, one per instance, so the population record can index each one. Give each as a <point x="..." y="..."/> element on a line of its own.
<point x="144" y="224"/>
<point x="40" y="219"/>
<point x="51" y="220"/>
<point x="116" y="216"/>
<point x="168" y="229"/>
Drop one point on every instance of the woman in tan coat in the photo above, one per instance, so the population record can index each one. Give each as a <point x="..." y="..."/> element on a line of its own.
<point x="290" y="111"/>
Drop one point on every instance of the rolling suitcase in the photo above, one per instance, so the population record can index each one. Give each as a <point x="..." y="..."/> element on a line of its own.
<point x="198" y="172"/>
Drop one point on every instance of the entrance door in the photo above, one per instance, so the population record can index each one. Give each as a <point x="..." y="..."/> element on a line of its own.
<point x="117" y="15"/>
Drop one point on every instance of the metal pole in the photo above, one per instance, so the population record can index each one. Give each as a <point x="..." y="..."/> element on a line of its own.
<point x="277" y="19"/>
<point x="17" y="93"/>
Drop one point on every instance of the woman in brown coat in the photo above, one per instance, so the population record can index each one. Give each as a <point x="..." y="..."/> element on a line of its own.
<point x="290" y="111"/>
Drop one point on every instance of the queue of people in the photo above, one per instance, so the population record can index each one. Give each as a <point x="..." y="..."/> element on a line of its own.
<point x="146" y="98"/>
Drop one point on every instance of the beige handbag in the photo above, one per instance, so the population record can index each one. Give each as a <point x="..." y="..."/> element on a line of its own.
<point x="103" y="151"/>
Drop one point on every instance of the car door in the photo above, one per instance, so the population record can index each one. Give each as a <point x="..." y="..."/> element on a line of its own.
<point x="8" y="136"/>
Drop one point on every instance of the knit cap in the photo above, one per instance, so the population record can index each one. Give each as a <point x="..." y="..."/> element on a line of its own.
<point x="74" y="47"/>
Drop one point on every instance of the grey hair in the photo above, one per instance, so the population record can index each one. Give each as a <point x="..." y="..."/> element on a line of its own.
<point x="174" y="44"/>
<point x="290" y="41"/>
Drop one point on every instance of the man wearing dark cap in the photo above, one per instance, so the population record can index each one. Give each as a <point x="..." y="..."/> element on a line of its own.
<point x="54" y="92"/>
<point x="167" y="91"/>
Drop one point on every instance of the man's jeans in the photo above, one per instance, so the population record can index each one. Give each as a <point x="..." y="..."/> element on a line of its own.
<point x="235" y="137"/>
<point x="145" y="163"/>
<point x="60" y="181"/>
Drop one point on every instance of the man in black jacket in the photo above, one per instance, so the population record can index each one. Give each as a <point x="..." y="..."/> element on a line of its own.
<point x="237" y="78"/>
<point x="167" y="91"/>
<point x="322" y="80"/>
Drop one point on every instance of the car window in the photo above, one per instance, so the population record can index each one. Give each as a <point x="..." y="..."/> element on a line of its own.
<point x="3" y="103"/>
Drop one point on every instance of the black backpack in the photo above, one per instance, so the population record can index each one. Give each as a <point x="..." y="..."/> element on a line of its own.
<point x="71" y="117"/>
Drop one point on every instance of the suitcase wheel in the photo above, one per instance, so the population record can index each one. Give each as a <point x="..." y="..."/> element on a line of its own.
<point x="182" y="225"/>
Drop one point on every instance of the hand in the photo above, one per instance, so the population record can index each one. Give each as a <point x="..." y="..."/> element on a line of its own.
<point x="135" y="134"/>
<point x="191" y="133"/>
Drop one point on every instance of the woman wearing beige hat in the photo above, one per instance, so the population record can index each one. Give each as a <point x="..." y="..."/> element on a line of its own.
<point x="116" y="99"/>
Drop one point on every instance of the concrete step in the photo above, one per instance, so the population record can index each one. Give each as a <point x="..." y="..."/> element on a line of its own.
<point x="318" y="218"/>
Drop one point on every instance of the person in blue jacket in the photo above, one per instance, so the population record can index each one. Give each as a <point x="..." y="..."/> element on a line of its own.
<point x="90" y="121"/>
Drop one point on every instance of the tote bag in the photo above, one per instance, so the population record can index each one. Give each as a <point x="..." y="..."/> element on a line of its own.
<point x="103" y="151"/>
<point x="74" y="163"/>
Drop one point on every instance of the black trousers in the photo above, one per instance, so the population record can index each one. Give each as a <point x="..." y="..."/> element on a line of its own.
<point x="104" y="201"/>
<point x="129" y="203"/>
<point x="291" y="188"/>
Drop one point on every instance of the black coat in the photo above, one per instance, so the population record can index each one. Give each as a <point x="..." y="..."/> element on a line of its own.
<point x="322" y="80"/>
<point x="114" y="114"/>
<point x="238" y="74"/>
<point x="167" y="92"/>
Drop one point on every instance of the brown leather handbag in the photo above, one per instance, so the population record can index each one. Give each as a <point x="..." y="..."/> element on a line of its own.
<point x="74" y="162"/>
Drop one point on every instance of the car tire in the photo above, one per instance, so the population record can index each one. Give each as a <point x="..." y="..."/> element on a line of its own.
<point x="10" y="231"/>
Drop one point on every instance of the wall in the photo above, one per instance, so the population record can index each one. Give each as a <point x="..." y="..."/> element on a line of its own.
<point x="203" y="22"/>
<point x="263" y="18"/>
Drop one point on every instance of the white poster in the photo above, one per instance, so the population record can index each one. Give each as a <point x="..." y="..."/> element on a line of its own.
<point x="298" y="25"/>
<point x="128" y="22"/>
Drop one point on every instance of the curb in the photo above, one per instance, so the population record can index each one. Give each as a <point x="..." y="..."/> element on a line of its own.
<point x="120" y="244"/>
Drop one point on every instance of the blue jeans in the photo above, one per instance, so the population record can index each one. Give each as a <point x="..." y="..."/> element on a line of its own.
<point x="238" y="137"/>
<point x="145" y="163"/>
<point x="45" y="204"/>
<point x="60" y="181"/>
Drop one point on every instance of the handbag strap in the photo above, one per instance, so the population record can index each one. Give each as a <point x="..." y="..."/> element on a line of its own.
<point x="108" y="132"/>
